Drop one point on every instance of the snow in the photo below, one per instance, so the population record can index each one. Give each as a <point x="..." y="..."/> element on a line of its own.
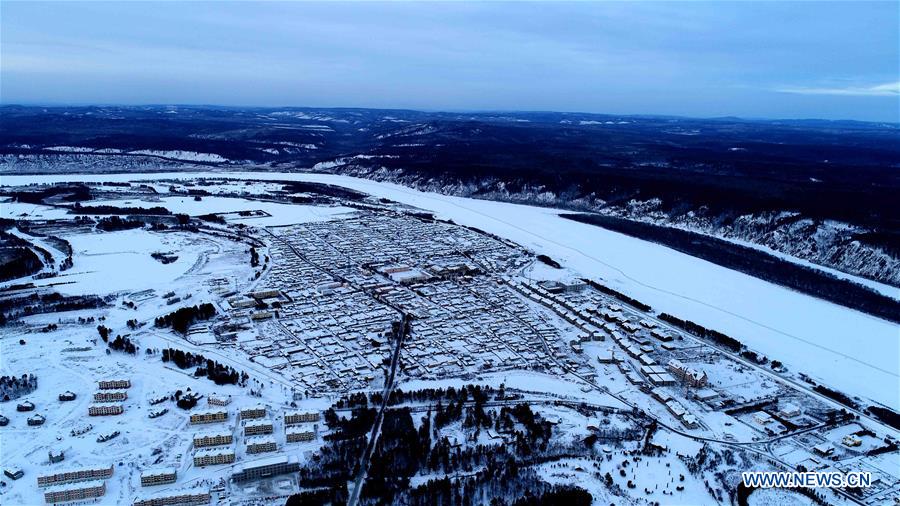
<point x="75" y="149"/>
<point x="846" y="349"/>
<point x="182" y="155"/>
<point x="114" y="261"/>
<point x="279" y="214"/>
<point x="777" y="497"/>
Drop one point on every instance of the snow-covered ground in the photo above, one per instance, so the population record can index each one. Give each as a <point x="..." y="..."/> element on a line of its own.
<point x="846" y="349"/>
<point x="113" y="261"/>
<point x="281" y="214"/>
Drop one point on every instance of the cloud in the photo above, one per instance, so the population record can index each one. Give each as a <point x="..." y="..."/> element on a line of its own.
<point x="880" y="90"/>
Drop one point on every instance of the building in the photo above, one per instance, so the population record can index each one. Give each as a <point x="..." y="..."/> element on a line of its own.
<point x="690" y="421"/>
<point x="261" y="315"/>
<point x="25" y="406"/>
<point x="788" y="410"/>
<point x="110" y="395"/>
<point x="261" y="444"/>
<point x="705" y="394"/>
<point x="56" y="456"/>
<point x="258" y="427"/>
<point x="105" y="409"/>
<point x="661" y="379"/>
<point x="75" y="475"/>
<point x="114" y="384"/>
<point x="35" y="420"/>
<point x="250" y="412"/>
<point x="823" y="449"/>
<point x="213" y="456"/>
<point x="13" y="473"/>
<point x="662" y="336"/>
<point x="212" y="439"/>
<point x="75" y="492"/>
<point x="266" y="468"/>
<point x="151" y="477"/>
<point x="218" y="400"/>
<point x="295" y="417"/>
<point x="297" y="435"/>
<point x="265" y="294"/>
<point x="606" y="357"/>
<point x="689" y="375"/>
<point x="851" y="440"/>
<point x="67" y="396"/>
<point x="4" y="421"/>
<point x="175" y="498"/>
<point x="156" y="413"/>
<point x="209" y="416"/>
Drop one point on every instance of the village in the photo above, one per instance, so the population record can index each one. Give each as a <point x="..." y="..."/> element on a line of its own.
<point x="379" y="298"/>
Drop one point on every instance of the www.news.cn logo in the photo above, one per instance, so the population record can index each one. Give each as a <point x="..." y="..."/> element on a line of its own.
<point x="769" y="479"/>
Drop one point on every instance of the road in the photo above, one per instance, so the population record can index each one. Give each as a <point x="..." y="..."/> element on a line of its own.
<point x="379" y="418"/>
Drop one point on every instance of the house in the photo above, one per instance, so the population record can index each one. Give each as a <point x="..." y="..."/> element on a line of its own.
<point x="25" y="406"/>
<point x="67" y="396"/>
<point x="823" y="449"/>
<point x="693" y="377"/>
<point x="13" y="473"/>
<point x="705" y="394"/>
<point x="851" y="440"/>
<point x="55" y="456"/>
<point x="606" y="357"/>
<point x="789" y="411"/>
<point x="663" y="379"/>
<point x="35" y="420"/>
<point x="660" y="395"/>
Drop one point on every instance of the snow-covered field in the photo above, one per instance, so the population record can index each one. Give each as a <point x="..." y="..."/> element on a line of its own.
<point x="846" y="349"/>
<point x="281" y="214"/>
<point x="115" y="261"/>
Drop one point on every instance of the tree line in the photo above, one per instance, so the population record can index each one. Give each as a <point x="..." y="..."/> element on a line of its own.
<point x="183" y="318"/>
<point x="220" y="374"/>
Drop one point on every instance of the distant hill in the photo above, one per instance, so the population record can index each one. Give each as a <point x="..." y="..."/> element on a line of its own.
<point x="824" y="191"/>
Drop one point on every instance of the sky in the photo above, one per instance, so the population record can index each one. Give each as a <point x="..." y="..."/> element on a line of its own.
<point x="831" y="60"/>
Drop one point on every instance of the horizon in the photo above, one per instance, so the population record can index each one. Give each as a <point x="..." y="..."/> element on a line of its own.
<point x="445" y="111"/>
<point x="750" y="60"/>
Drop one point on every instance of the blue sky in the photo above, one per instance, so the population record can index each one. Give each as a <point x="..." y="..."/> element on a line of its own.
<point x="752" y="59"/>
